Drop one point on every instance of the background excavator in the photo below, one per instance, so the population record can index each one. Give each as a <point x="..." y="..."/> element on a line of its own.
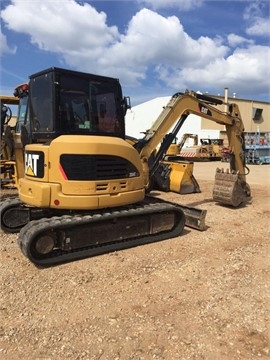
<point x="12" y="149"/>
<point x="207" y="150"/>
<point x="84" y="186"/>
<point x="175" y="148"/>
<point x="8" y="176"/>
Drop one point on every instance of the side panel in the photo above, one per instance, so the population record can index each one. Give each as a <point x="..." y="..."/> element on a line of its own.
<point x="33" y="187"/>
<point x="70" y="165"/>
<point x="113" y="178"/>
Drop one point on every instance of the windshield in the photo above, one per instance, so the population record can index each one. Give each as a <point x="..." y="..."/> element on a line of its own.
<point x="89" y="106"/>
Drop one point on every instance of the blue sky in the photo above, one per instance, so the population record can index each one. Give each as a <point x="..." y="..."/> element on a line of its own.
<point x="155" y="47"/>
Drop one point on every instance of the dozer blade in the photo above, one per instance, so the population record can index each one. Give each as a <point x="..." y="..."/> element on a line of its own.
<point x="194" y="217"/>
<point x="230" y="189"/>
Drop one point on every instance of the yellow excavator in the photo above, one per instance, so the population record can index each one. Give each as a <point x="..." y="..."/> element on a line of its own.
<point x="12" y="151"/>
<point x="208" y="150"/>
<point x="175" y="148"/>
<point x="8" y="176"/>
<point x="84" y="189"/>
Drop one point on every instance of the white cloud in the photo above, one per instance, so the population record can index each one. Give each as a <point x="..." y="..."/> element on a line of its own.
<point x="5" y="48"/>
<point x="179" y="4"/>
<point x="254" y="9"/>
<point x="60" y="26"/>
<point x="257" y="15"/>
<point x="84" y="41"/>
<point x="152" y="39"/>
<point x="235" y="40"/>
<point x="242" y="71"/>
<point x="259" y="27"/>
<point x="80" y="35"/>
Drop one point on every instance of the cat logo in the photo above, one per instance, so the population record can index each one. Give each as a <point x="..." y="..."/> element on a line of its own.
<point x="34" y="164"/>
<point x="204" y="110"/>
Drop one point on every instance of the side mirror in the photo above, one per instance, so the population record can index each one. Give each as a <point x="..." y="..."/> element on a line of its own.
<point x="126" y="104"/>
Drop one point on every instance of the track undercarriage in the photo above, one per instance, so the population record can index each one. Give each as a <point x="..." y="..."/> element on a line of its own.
<point x="48" y="237"/>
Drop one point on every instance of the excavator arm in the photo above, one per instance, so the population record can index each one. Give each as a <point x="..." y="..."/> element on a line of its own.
<point x="230" y="187"/>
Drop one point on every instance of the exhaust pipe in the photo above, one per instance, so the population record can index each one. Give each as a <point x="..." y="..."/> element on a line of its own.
<point x="226" y="104"/>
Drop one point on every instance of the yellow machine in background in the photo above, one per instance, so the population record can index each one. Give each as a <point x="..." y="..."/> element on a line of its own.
<point x="175" y="148"/>
<point x="9" y="176"/>
<point x="207" y="150"/>
<point x="14" y="138"/>
<point x="84" y="188"/>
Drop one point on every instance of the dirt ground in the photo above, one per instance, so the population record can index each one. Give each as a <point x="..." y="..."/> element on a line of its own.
<point x="203" y="295"/>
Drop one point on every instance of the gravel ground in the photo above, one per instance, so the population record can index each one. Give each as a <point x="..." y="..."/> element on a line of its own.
<point x="203" y="295"/>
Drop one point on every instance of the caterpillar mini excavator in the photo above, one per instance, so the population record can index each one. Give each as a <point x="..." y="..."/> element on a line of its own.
<point x="84" y="188"/>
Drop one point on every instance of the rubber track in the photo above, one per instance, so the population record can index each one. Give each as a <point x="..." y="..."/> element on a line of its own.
<point x="10" y="203"/>
<point x="29" y="233"/>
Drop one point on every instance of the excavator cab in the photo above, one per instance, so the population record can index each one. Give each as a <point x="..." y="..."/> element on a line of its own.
<point x="67" y="102"/>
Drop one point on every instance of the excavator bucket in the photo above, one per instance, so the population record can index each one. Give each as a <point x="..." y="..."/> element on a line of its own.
<point x="230" y="189"/>
<point x="176" y="176"/>
<point x="182" y="179"/>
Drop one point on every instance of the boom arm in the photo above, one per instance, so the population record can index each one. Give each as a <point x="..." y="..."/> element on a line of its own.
<point x="176" y="111"/>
